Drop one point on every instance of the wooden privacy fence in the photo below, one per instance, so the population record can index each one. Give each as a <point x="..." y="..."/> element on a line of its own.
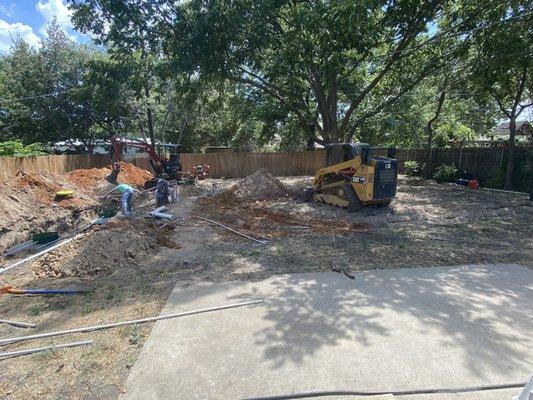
<point x="238" y="165"/>
<point x="482" y="163"/>
<point x="10" y="166"/>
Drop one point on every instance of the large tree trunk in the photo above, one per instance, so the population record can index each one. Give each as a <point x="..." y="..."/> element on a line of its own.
<point x="429" y="130"/>
<point x="149" y="117"/>
<point x="429" y="153"/>
<point x="510" y="153"/>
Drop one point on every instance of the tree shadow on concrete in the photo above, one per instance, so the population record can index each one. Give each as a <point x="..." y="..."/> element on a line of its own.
<point x="478" y="312"/>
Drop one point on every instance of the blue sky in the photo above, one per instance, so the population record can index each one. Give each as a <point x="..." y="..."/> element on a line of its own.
<point x="28" y="18"/>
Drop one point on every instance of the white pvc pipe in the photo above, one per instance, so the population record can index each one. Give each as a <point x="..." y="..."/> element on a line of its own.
<point x="19" y="248"/>
<point x="17" y="323"/>
<point x="41" y="349"/>
<point x="2" y="270"/>
<point x="234" y="231"/>
<point x="131" y="322"/>
<point x="503" y="191"/>
<point x="161" y="215"/>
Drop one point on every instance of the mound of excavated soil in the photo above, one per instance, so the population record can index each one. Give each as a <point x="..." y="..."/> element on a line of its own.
<point x="261" y="185"/>
<point x="121" y="244"/>
<point x="89" y="179"/>
<point x="28" y="202"/>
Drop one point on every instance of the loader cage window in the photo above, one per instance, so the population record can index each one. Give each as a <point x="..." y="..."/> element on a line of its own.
<point x="338" y="153"/>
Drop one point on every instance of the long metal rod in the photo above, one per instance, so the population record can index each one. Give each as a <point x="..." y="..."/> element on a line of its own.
<point x="234" y="231"/>
<point x="10" y="354"/>
<point x="70" y="235"/>
<point x="17" y="323"/>
<point x="395" y="393"/>
<point x="503" y="191"/>
<point x="33" y="256"/>
<point x="28" y="244"/>
<point x="131" y="322"/>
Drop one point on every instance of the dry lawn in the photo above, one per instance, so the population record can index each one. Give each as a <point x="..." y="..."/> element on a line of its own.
<point x="132" y="267"/>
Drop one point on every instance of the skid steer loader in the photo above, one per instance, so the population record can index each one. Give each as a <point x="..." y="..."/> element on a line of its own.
<point x="353" y="178"/>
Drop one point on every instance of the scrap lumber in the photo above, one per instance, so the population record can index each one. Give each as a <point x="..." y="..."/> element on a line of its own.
<point x="17" y="323"/>
<point x="234" y="231"/>
<point x="131" y="322"/>
<point x="33" y="256"/>
<point x="10" y="354"/>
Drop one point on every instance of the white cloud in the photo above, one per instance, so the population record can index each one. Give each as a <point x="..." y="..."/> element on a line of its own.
<point x="9" y="32"/>
<point x="7" y="9"/>
<point x="55" y="8"/>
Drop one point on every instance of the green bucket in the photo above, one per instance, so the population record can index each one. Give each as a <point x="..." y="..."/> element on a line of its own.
<point x="45" y="237"/>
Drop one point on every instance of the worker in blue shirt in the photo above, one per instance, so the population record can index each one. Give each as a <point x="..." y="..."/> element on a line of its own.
<point x="126" y="201"/>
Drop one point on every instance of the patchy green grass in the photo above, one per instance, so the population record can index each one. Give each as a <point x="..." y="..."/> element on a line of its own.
<point x="35" y="310"/>
<point x="134" y="334"/>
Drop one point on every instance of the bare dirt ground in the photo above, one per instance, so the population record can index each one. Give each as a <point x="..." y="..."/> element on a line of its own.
<point x="131" y="265"/>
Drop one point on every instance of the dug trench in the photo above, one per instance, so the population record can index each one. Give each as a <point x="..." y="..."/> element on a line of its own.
<point x="131" y="265"/>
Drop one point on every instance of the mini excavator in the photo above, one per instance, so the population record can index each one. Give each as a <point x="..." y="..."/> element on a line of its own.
<point x="160" y="164"/>
<point x="353" y="178"/>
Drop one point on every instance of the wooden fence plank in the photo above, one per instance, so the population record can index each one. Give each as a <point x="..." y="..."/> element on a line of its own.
<point x="482" y="163"/>
<point x="59" y="164"/>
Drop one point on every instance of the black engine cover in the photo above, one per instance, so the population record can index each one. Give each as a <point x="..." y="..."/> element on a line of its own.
<point x="385" y="178"/>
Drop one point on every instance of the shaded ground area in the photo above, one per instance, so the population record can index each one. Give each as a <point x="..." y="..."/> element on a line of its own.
<point x="132" y="265"/>
<point x="395" y="330"/>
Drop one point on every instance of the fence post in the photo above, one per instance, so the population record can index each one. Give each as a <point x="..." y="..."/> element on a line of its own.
<point x="460" y="155"/>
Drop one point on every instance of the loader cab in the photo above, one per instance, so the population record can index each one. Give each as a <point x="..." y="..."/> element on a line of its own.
<point x="337" y="153"/>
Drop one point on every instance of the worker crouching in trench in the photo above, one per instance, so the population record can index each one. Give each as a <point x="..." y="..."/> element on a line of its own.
<point x="126" y="197"/>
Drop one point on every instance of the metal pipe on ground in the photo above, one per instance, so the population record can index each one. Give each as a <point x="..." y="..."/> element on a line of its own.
<point x="10" y="354"/>
<point x="234" y="231"/>
<point x="395" y="393"/>
<point x="155" y="214"/>
<point x="33" y="256"/>
<point x="131" y="322"/>
<point x="503" y="191"/>
<point x="19" y="248"/>
<point x="73" y="235"/>
<point x="17" y="323"/>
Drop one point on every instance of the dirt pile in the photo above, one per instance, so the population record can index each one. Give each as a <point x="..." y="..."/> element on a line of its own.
<point x="120" y="244"/>
<point x="28" y="203"/>
<point x="89" y="179"/>
<point x="261" y="185"/>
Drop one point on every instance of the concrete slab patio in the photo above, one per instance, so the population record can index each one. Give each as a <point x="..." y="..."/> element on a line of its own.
<point x="390" y="329"/>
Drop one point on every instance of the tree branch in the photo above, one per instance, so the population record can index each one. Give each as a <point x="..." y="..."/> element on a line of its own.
<point x="274" y="94"/>
<point x="391" y="100"/>
<point x="519" y="92"/>
<point x="355" y="103"/>
<point x="501" y="106"/>
<point x="522" y="108"/>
